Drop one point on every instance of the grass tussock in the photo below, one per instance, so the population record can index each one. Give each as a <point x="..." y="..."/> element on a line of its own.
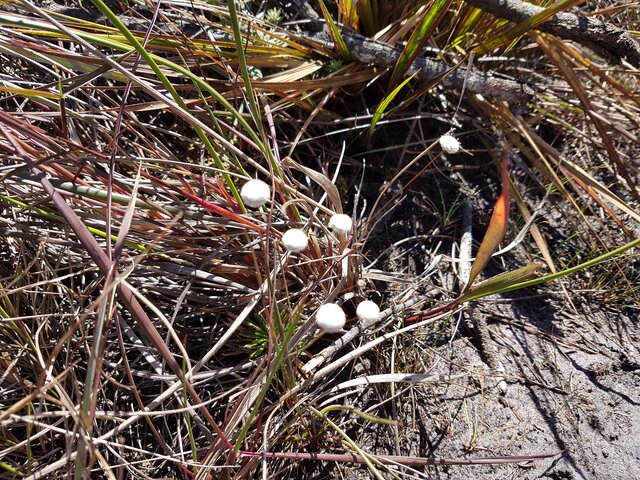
<point x="153" y="325"/>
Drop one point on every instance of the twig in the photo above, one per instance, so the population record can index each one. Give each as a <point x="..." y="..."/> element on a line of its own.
<point x="382" y="55"/>
<point x="600" y="36"/>
<point x="392" y="378"/>
<point x="399" y="460"/>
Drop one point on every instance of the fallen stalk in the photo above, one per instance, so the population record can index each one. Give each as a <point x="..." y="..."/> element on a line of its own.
<point x="600" y="36"/>
<point x="383" y="55"/>
<point x="400" y="460"/>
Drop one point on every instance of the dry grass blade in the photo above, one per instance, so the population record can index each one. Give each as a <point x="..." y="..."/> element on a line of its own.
<point x="579" y="90"/>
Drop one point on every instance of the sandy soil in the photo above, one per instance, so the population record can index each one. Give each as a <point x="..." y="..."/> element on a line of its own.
<point x="573" y="385"/>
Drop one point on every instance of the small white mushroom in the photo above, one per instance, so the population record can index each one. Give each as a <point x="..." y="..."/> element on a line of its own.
<point x="255" y="193"/>
<point x="295" y="240"/>
<point x="368" y="311"/>
<point x="449" y="144"/>
<point x="341" y="223"/>
<point x="330" y="318"/>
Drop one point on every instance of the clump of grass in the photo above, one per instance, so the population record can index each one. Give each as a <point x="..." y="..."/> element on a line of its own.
<point x="157" y="317"/>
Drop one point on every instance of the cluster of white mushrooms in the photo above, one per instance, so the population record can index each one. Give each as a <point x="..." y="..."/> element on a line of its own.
<point x="330" y="317"/>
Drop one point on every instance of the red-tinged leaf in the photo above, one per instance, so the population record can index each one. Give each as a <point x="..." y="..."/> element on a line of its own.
<point x="186" y="184"/>
<point x="223" y="212"/>
<point x="497" y="225"/>
<point x="220" y="190"/>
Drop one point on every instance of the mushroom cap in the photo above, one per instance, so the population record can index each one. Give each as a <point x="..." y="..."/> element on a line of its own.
<point x="255" y="193"/>
<point x="331" y="318"/>
<point x="449" y="144"/>
<point x="368" y="311"/>
<point x="295" y="240"/>
<point x="341" y="223"/>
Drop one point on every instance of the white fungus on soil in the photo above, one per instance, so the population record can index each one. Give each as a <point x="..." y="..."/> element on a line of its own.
<point x="330" y="318"/>
<point x="295" y="240"/>
<point x="255" y="193"/>
<point x="341" y="223"/>
<point x="449" y="144"/>
<point x="368" y="311"/>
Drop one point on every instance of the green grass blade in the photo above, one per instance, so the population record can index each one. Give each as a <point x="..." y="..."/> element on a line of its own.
<point x="499" y="283"/>
<point x="334" y="31"/>
<point x="521" y="278"/>
<point x="418" y="39"/>
<point x="251" y="95"/>
<point x="150" y="60"/>
<point x="242" y="60"/>
<point x="380" y="111"/>
<point x="466" y="28"/>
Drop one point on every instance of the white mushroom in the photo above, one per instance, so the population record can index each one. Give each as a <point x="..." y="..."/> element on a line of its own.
<point x="330" y="318"/>
<point x="368" y="311"/>
<point x="449" y="144"/>
<point x="295" y="240"/>
<point x="255" y="193"/>
<point x="341" y="223"/>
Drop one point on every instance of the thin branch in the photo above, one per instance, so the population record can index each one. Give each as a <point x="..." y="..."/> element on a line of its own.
<point x="380" y="54"/>
<point x="602" y="37"/>
<point x="400" y="460"/>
